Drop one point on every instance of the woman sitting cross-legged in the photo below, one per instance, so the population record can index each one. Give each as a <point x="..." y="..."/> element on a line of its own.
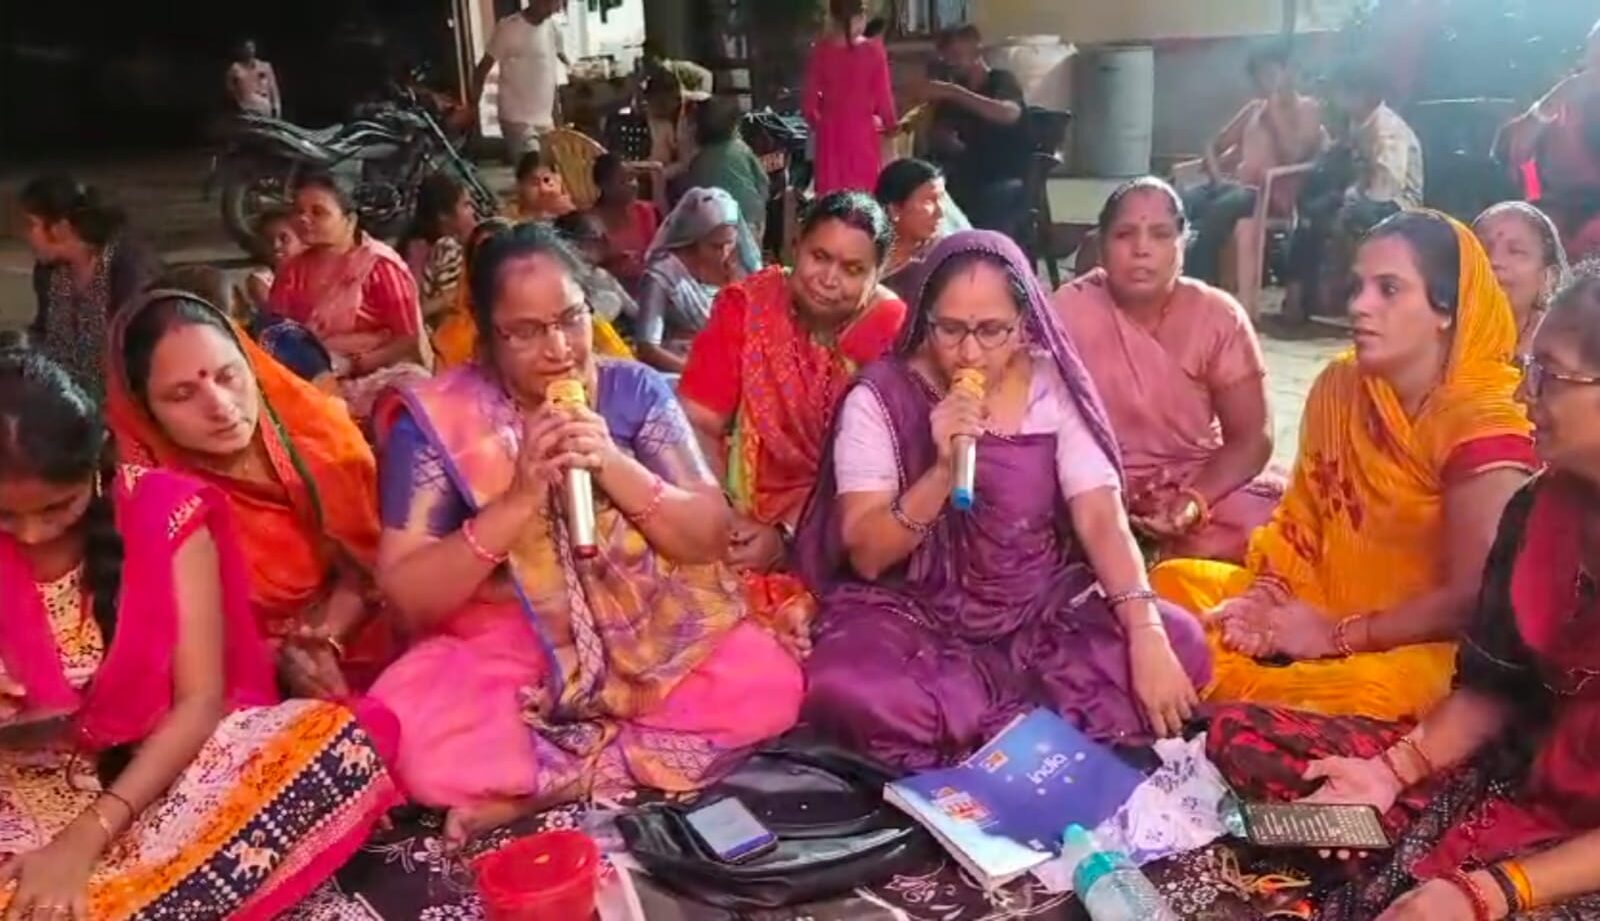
<point x="1183" y="379"/>
<point x="767" y="375"/>
<point x="188" y="391"/>
<point x="703" y="247"/>
<point x="1411" y="444"/>
<point x="355" y="294"/>
<point x="1494" y="797"/>
<point x="147" y="768"/>
<point x="938" y="626"/>
<point x="542" y="676"/>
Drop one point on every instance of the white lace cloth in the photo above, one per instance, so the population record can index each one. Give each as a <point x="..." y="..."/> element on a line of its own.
<point x="1176" y="810"/>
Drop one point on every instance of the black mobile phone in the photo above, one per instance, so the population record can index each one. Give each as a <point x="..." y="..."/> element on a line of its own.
<point x="34" y="726"/>
<point x="730" y="831"/>
<point x="1314" y="825"/>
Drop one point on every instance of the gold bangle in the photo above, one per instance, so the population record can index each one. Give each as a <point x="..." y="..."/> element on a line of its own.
<point x="1421" y="756"/>
<point x="1524" y="886"/>
<point x="1341" y="634"/>
<point x="105" y="824"/>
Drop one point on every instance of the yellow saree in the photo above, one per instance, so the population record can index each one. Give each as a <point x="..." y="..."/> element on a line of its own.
<point x="1361" y="527"/>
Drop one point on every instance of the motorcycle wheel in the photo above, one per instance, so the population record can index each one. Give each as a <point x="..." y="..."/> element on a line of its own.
<point x="246" y="195"/>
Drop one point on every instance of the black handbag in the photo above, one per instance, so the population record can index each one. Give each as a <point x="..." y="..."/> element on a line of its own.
<point x="825" y="805"/>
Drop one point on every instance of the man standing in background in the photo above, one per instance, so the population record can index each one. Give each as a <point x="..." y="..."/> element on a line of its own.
<point x="526" y="47"/>
<point x="252" y="83"/>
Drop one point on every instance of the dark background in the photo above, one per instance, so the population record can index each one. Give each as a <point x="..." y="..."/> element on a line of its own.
<point x="148" y="74"/>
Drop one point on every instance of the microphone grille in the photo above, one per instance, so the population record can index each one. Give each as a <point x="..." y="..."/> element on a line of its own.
<point x="565" y="392"/>
<point x="971" y="380"/>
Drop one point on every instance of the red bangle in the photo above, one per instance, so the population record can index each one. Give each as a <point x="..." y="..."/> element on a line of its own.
<point x="469" y="533"/>
<point x="657" y="494"/>
<point x="1480" y="903"/>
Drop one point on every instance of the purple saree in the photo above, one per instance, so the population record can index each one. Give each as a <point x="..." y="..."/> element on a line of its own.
<point x="996" y="612"/>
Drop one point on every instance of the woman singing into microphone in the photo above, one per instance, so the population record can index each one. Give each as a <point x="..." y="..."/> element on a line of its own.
<point x="939" y="626"/>
<point x="633" y="668"/>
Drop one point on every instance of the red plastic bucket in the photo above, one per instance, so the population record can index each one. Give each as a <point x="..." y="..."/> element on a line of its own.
<point x="552" y="876"/>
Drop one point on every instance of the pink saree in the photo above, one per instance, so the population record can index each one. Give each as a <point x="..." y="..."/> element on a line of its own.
<point x="354" y="303"/>
<point x="563" y="680"/>
<point x="274" y="802"/>
<point x="1157" y="389"/>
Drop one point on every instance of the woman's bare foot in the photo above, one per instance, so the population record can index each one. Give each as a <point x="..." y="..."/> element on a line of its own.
<point x="464" y="823"/>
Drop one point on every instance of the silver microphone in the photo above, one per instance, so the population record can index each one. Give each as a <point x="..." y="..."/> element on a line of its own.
<point x="963" y="493"/>
<point x="580" y="485"/>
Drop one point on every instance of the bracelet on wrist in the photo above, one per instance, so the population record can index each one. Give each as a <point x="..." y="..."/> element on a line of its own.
<point x="1341" y="634"/>
<point x="469" y="534"/>
<point x="1526" y="899"/>
<point x="1508" y="888"/>
<point x="1388" y="761"/>
<point x="1469" y="888"/>
<point x="658" y="493"/>
<point x="1421" y="757"/>
<point x="1119" y="599"/>
<point x="906" y="521"/>
<point x="106" y="826"/>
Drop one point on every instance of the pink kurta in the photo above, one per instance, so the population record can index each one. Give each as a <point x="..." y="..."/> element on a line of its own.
<point x="1158" y="390"/>
<point x="849" y="103"/>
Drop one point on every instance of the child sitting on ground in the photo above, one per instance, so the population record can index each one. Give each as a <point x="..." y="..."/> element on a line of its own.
<point x="541" y="192"/>
<point x="277" y="241"/>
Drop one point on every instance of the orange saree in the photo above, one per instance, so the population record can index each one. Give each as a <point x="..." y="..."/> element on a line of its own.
<point x="1362" y="528"/>
<point x="314" y="521"/>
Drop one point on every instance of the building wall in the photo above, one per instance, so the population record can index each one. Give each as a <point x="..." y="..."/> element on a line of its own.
<point x="620" y="35"/>
<point x="1099" y="21"/>
<point x="1201" y="48"/>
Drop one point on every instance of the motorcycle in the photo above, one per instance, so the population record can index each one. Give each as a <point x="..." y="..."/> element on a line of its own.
<point x="383" y="156"/>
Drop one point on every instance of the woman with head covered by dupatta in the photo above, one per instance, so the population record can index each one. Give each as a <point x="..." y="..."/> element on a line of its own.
<point x="1351" y="597"/>
<point x="703" y="247"/>
<point x="170" y="782"/>
<point x="937" y="625"/>
<point x="188" y="391"/>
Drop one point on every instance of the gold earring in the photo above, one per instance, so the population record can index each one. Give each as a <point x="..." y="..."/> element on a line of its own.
<point x="99" y="485"/>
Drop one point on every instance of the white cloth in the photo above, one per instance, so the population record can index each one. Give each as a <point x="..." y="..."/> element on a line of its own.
<point x="864" y="454"/>
<point x="529" y="69"/>
<point x="1176" y="810"/>
<point x="1394" y="160"/>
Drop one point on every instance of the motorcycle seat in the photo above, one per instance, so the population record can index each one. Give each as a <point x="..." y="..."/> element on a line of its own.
<point x="322" y="136"/>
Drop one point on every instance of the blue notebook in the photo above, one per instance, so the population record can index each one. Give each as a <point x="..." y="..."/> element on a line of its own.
<point x="1001" y="812"/>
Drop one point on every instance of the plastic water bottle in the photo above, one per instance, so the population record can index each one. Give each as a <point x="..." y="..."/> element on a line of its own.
<point x="1110" y="887"/>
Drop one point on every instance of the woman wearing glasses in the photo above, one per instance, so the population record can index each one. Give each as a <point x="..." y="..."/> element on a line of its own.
<point x="1352" y="597"/>
<point x="937" y="625"/>
<point x="1183" y="379"/>
<point x="545" y="676"/>
<point x="1494" y="796"/>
